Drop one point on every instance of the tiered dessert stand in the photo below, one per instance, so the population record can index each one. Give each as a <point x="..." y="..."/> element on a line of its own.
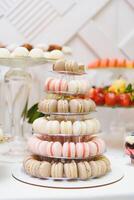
<point x="66" y="148"/>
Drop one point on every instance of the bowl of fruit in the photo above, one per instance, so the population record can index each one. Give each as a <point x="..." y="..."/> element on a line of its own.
<point x="118" y="94"/>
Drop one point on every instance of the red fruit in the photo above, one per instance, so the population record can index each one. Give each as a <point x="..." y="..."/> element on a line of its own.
<point x="118" y="99"/>
<point x="99" y="99"/>
<point x="110" y="99"/>
<point x="124" y="100"/>
<point x="99" y="90"/>
<point x="92" y="93"/>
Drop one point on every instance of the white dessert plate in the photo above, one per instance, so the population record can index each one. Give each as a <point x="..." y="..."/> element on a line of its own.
<point x="112" y="177"/>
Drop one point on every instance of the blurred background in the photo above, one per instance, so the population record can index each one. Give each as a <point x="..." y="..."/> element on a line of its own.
<point x="94" y="29"/>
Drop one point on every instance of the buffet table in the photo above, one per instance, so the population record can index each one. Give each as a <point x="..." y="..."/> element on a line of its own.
<point x="11" y="189"/>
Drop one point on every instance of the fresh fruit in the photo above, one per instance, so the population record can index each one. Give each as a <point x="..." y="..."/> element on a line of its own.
<point x="118" y="86"/>
<point x="124" y="100"/>
<point x="99" y="90"/>
<point x="92" y="93"/>
<point x="100" y="99"/>
<point x="110" y="99"/>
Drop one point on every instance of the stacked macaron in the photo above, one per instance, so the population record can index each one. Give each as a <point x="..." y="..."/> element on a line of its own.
<point x="66" y="143"/>
<point x="94" y="147"/>
<point x="56" y="85"/>
<point x="65" y="106"/>
<point x="68" y="66"/>
<point x="34" y="166"/>
<point x="54" y="127"/>
<point x="40" y="51"/>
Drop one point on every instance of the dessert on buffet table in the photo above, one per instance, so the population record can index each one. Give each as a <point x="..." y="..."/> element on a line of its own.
<point x="111" y="63"/>
<point x="28" y="53"/>
<point x="119" y="94"/>
<point x="66" y="144"/>
<point x="129" y="146"/>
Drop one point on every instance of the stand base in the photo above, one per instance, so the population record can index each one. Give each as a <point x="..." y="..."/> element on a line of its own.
<point x="112" y="177"/>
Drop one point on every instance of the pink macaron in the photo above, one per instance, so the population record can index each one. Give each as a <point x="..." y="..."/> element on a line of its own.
<point x="43" y="148"/>
<point x="92" y="148"/>
<point x="52" y="85"/>
<point x="68" y="150"/>
<point x="33" y="144"/>
<point x="47" y="83"/>
<point x="64" y="86"/>
<point x="82" y="150"/>
<point x="100" y="145"/>
<point x="57" y="85"/>
<point x="54" y="149"/>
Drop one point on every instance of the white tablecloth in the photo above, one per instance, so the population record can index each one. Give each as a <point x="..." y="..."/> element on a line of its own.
<point x="11" y="189"/>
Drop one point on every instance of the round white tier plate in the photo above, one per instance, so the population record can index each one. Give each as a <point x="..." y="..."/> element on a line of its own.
<point x="112" y="177"/>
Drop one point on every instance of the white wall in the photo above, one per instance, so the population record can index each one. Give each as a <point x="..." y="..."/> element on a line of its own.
<point x="93" y="28"/>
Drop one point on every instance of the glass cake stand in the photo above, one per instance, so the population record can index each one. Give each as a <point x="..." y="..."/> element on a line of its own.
<point x="17" y="84"/>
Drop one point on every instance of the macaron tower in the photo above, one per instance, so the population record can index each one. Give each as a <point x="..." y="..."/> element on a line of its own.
<point x="66" y="143"/>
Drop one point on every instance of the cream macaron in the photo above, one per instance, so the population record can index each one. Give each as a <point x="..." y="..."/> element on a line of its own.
<point x="84" y="170"/>
<point x="57" y="170"/>
<point x="70" y="170"/>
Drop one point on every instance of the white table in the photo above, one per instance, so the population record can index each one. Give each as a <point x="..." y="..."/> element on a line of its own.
<point x="11" y="189"/>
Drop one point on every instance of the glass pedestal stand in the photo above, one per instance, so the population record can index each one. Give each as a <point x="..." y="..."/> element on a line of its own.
<point x="16" y="87"/>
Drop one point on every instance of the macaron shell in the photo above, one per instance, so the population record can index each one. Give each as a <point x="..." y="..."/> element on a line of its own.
<point x="55" y="127"/>
<point x="83" y="128"/>
<point x="47" y="83"/>
<point x="73" y="169"/>
<point x="82" y="171"/>
<point x="53" y="170"/>
<point x="39" y="125"/>
<point x="35" y="168"/>
<point x="64" y="86"/>
<point x="44" y="169"/>
<point x="90" y="126"/>
<point x="59" y="65"/>
<point x="56" y="149"/>
<point x="43" y="148"/>
<point x="80" y="150"/>
<point x="77" y="128"/>
<point x="49" y="149"/>
<point x="69" y="129"/>
<point x="59" y="170"/>
<point x="92" y="149"/>
<point x="88" y="169"/>
<point x="73" y="87"/>
<point x="67" y="170"/>
<point x="94" y="168"/>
